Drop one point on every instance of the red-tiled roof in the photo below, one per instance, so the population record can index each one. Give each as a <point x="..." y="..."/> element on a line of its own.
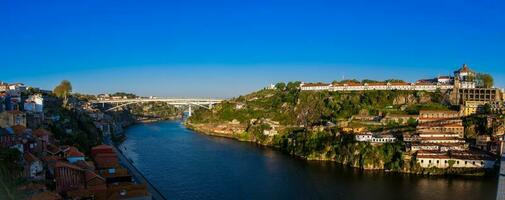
<point x="18" y="129"/>
<point x="106" y="160"/>
<point x="315" y="84"/>
<point x="66" y="165"/>
<point x="92" y="175"/>
<point x="74" y="152"/>
<point x="41" y="132"/>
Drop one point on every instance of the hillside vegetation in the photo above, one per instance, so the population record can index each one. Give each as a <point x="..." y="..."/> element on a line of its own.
<point x="308" y="123"/>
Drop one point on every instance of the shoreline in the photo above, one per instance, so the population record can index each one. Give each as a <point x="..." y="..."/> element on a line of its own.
<point x="431" y="172"/>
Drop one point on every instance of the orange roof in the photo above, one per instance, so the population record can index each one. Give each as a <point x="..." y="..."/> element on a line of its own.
<point x="74" y="152"/>
<point x="315" y="84"/>
<point x="66" y="165"/>
<point x="18" y="129"/>
<point x="92" y="175"/>
<point x="41" y="132"/>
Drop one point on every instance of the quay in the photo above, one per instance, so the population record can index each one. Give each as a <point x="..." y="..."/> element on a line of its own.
<point x="137" y="175"/>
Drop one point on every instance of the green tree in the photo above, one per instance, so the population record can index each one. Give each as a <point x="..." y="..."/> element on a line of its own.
<point x="63" y="90"/>
<point x="485" y="80"/>
<point x="280" y="86"/>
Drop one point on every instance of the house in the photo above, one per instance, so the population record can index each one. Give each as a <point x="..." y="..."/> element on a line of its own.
<point x="464" y="159"/>
<point x="483" y="142"/>
<point x="73" y="155"/>
<point x="33" y="168"/>
<point x="34" y="103"/>
<point x="44" y="137"/>
<point x="68" y="177"/>
<point x="363" y="137"/>
<point x="7" y="138"/>
<point x="375" y="138"/>
<point x="12" y="118"/>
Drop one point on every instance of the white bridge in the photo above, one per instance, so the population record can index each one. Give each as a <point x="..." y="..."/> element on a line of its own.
<point x="178" y="102"/>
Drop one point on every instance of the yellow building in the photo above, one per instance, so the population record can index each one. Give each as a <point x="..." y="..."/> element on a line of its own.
<point x="474" y="107"/>
<point x="12" y="118"/>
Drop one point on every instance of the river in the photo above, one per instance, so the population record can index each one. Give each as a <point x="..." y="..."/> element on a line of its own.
<point x="183" y="164"/>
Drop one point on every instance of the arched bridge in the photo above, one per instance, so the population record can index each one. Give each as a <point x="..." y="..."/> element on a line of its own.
<point x="189" y="102"/>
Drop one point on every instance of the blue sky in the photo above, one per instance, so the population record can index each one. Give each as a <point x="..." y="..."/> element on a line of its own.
<point x="224" y="48"/>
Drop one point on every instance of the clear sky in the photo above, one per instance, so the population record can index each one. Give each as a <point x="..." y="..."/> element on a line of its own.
<point x="223" y="48"/>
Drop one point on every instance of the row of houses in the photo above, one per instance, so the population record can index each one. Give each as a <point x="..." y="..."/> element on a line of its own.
<point x="353" y="86"/>
<point x="73" y="174"/>
<point x="439" y="142"/>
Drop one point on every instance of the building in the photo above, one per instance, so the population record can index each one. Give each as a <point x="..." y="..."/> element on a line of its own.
<point x="475" y="107"/>
<point x="68" y="177"/>
<point x="33" y="167"/>
<point x="12" y="118"/>
<point x="457" y="159"/>
<point x="440" y="121"/>
<point x="464" y="77"/>
<point x="34" y="104"/>
<point x="375" y="138"/>
<point x="73" y="155"/>
<point x="7" y="138"/>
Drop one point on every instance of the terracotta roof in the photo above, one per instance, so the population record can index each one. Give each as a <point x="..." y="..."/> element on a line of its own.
<point x="106" y="160"/>
<point x="439" y="111"/>
<point x="46" y="196"/>
<point x="41" y="132"/>
<point x="53" y="149"/>
<point x="377" y="84"/>
<point x="315" y="84"/>
<point x="29" y="157"/>
<point x="92" y="175"/>
<point x="67" y="165"/>
<point x="85" y="164"/>
<point x="102" y="146"/>
<point x="74" y="152"/>
<point x="51" y="158"/>
<point x="18" y="129"/>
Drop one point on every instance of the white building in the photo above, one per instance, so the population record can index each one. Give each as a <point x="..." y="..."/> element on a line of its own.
<point x="456" y="161"/>
<point x="34" y="103"/>
<point x="375" y="138"/>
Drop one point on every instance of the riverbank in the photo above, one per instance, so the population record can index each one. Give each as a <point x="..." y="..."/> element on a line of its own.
<point x="411" y="169"/>
<point x="184" y="164"/>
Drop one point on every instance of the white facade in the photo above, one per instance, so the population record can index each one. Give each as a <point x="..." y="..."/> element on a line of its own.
<point x="444" y="162"/>
<point x="369" y="137"/>
<point x="374" y="86"/>
<point x="34" y="103"/>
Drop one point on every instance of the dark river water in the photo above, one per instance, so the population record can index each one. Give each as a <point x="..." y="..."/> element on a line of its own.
<point x="183" y="164"/>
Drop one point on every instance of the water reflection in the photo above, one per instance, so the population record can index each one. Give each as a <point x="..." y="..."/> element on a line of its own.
<point x="187" y="165"/>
